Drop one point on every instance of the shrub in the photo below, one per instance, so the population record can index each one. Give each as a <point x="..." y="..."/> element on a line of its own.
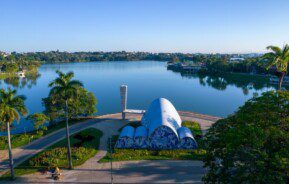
<point x="194" y="127"/>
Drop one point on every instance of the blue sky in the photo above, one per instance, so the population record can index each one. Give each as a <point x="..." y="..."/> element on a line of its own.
<point x="207" y="26"/>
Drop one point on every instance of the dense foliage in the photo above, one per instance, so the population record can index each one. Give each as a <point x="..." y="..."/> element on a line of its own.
<point x="38" y="120"/>
<point x="15" y="66"/>
<point x="251" y="146"/>
<point x="57" y="56"/>
<point x="83" y="104"/>
<point x="194" y="127"/>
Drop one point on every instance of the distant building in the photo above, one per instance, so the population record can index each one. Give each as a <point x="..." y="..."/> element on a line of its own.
<point x="188" y="66"/>
<point x="236" y="59"/>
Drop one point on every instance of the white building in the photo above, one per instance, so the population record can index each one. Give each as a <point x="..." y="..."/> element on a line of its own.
<point x="163" y="127"/>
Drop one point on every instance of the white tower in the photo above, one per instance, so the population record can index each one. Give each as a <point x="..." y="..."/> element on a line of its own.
<point x="123" y="97"/>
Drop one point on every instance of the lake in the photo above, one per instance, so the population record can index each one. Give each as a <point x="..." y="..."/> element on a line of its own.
<point x="146" y="80"/>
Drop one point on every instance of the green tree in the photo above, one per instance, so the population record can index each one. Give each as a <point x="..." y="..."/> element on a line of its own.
<point x="278" y="57"/>
<point x="82" y="105"/>
<point x="66" y="88"/>
<point x="12" y="107"/>
<point x="251" y="146"/>
<point x="38" y="120"/>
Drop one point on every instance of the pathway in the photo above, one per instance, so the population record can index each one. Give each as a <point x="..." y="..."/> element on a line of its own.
<point x="23" y="153"/>
<point x="109" y="124"/>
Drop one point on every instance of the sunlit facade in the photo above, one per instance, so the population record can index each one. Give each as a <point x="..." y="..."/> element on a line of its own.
<point x="161" y="129"/>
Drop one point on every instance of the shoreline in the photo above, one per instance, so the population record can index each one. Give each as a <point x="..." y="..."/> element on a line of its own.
<point x="181" y="112"/>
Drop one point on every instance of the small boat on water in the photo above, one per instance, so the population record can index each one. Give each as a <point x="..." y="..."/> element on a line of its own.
<point x="275" y="80"/>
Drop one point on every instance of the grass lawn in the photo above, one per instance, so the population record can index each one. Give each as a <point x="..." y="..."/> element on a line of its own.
<point x="84" y="145"/>
<point x="18" y="140"/>
<point x="144" y="154"/>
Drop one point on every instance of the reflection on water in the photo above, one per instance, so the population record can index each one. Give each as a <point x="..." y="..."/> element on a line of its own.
<point x="146" y="80"/>
<point x="221" y="81"/>
<point x="20" y="82"/>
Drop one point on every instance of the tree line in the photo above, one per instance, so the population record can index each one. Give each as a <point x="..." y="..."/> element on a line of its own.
<point x="14" y="66"/>
<point x="58" y="57"/>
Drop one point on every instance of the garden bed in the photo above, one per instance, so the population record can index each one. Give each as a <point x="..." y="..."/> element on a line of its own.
<point x="84" y="145"/>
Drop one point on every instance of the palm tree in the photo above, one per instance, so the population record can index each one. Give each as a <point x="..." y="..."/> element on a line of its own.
<point x="66" y="88"/>
<point x="12" y="107"/>
<point x="278" y="57"/>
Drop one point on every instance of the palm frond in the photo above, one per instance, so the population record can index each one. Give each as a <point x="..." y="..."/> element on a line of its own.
<point x="11" y="106"/>
<point x="55" y="90"/>
<point x="276" y="49"/>
<point x="69" y="75"/>
<point x="57" y="82"/>
<point x="76" y="83"/>
<point x="15" y="116"/>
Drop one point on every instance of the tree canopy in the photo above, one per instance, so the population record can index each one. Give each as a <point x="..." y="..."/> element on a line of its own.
<point x="252" y="145"/>
<point x="279" y="58"/>
<point x="38" y="120"/>
<point x="83" y="104"/>
<point x="12" y="106"/>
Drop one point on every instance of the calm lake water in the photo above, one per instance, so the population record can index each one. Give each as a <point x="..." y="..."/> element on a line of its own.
<point x="146" y="80"/>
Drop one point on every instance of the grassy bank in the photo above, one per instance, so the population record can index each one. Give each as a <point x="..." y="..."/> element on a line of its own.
<point x="18" y="140"/>
<point x="84" y="146"/>
<point x="7" y="75"/>
<point x="144" y="154"/>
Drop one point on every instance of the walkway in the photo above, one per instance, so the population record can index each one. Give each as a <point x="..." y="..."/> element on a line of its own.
<point x="23" y="153"/>
<point x="110" y="124"/>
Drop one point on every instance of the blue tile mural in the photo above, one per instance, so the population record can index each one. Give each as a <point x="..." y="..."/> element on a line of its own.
<point x="161" y="130"/>
<point x="163" y="138"/>
<point x="140" y="142"/>
<point x="125" y="142"/>
<point x="187" y="143"/>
